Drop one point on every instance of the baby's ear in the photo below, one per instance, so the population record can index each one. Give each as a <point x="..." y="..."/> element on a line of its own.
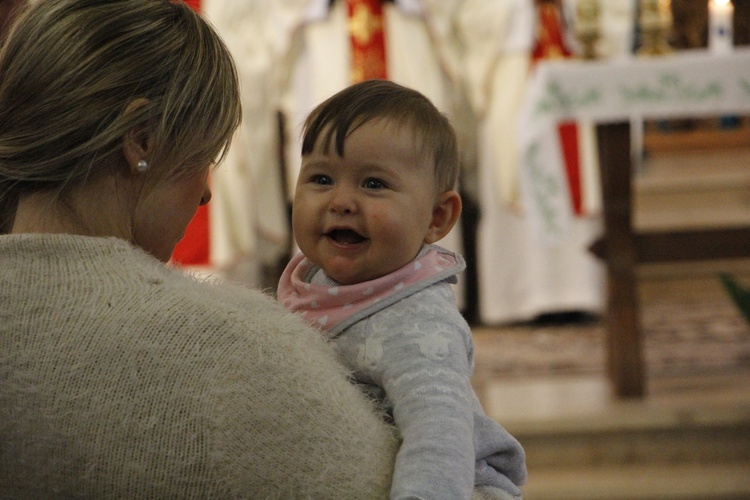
<point x="445" y="214"/>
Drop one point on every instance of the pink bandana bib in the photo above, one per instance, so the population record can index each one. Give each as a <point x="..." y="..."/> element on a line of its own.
<point x="334" y="308"/>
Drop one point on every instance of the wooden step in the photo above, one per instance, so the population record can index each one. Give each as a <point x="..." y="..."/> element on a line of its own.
<point x="655" y="437"/>
<point x="695" y="481"/>
<point x="691" y="189"/>
<point x="689" y="439"/>
<point x="574" y="422"/>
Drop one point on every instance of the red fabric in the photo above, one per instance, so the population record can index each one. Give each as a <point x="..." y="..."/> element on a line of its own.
<point x="568" y="133"/>
<point x="367" y="38"/>
<point x="550" y="44"/>
<point x="195" y="4"/>
<point x="194" y="248"/>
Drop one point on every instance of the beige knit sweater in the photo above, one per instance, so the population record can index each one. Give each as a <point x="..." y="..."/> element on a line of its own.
<point x="122" y="378"/>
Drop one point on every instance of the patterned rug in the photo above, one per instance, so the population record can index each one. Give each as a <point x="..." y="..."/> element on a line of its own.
<point x="678" y="337"/>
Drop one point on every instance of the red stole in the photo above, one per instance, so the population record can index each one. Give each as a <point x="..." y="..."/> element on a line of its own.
<point x="550" y="45"/>
<point x="366" y="25"/>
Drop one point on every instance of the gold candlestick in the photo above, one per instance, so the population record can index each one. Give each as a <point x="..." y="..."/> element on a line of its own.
<point x="655" y="22"/>
<point x="587" y="27"/>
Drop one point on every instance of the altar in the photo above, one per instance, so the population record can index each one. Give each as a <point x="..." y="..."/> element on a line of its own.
<point x="613" y="94"/>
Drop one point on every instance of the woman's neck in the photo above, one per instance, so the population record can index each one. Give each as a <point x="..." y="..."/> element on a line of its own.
<point x="44" y="212"/>
<point x="91" y="211"/>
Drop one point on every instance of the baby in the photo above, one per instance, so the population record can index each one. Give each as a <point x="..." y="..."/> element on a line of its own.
<point x="375" y="191"/>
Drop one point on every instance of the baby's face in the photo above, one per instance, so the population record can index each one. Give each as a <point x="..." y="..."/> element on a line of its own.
<point x="366" y="214"/>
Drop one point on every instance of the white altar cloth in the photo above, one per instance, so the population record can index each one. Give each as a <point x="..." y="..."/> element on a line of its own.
<point x="683" y="84"/>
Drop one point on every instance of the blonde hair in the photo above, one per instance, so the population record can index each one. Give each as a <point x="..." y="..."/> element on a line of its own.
<point x="71" y="67"/>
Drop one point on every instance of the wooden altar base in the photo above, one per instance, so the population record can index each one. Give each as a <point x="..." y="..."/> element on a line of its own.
<point x="623" y="249"/>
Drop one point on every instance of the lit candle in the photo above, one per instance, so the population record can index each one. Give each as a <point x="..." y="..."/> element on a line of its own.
<point x="720" y="13"/>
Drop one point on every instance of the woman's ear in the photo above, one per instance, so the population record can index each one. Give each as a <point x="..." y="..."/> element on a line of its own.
<point x="445" y="214"/>
<point x="136" y="143"/>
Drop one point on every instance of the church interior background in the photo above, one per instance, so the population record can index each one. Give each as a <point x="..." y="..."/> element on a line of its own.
<point x="473" y="58"/>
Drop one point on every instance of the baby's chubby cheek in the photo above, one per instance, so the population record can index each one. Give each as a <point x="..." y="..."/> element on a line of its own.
<point x="377" y="216"/>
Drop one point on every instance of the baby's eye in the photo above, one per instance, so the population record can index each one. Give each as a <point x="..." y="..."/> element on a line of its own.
<point x="373" y="184"/>
<point x="321" y="179"/>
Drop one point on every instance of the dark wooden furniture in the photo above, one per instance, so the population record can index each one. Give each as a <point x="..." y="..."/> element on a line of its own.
<point x="622" y="249"/>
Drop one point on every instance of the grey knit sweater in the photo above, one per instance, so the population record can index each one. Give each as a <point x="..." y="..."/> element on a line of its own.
<point x="122" y="378"/>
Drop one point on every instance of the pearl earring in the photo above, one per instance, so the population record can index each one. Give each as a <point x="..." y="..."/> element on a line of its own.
<point x="141" y="166"/>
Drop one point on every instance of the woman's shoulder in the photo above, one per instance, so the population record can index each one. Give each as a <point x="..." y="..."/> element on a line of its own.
<point x="190" y="358"/>
<point x="229" y="312"/>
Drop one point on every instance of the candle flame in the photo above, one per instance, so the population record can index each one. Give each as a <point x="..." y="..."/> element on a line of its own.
<point x="721" y="2"/>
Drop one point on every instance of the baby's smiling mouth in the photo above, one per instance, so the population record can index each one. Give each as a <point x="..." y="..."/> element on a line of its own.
<point x="345" y="236"/>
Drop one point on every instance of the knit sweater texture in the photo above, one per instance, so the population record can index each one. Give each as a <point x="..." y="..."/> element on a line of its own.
<point x="123" y="378"/>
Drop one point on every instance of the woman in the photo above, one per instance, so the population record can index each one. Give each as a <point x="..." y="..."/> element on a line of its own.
<point x="121" y="377"/>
